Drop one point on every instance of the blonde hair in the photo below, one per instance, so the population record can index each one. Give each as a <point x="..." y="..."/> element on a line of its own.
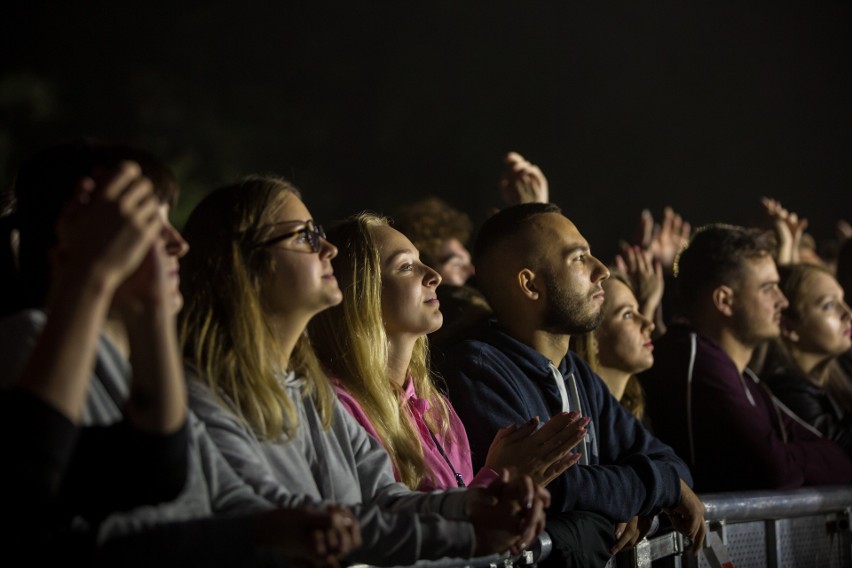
<point x="223" y="330"/>
<point x="586" y="346"/>
<point x="351" y="342"/>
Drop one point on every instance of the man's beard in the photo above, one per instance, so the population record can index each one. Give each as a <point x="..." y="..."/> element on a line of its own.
<point x="569" y="314"/>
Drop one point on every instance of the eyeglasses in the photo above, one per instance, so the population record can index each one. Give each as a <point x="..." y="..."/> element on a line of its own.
<point x="311" y="232"/>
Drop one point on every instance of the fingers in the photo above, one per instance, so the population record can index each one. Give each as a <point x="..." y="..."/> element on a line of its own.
<point x="559" y="467"/>
<point x="646" y="228"/>
<point x="626" y="535"/>
<point x="698" y="537"/>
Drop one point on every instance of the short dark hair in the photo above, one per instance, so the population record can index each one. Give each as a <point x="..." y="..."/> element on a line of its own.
<point x="716" y="255"/>
<point x="506" y="223"/>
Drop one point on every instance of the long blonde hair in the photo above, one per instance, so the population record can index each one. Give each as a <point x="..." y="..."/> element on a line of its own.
<point x="223" y="330"/>
<point x="351" y="342"/>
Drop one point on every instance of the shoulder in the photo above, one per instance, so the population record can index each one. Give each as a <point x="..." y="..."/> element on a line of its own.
<point x="18" y="334"/>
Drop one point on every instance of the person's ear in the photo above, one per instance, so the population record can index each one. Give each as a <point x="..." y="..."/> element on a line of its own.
<point x="528" y="284"/>
<point x="723" y="300"/>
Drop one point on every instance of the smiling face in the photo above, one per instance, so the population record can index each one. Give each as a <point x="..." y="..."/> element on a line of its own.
<point x="300" y="282"/>
<point x="757" y="302"/>
<point x="818" y="321"/>
<point x="410" y="304"/>
<point x="572" y="276"/>
<point x="624" y="336"/>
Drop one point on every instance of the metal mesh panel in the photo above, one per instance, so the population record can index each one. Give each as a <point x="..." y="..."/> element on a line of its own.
<point x="805" y="542"/>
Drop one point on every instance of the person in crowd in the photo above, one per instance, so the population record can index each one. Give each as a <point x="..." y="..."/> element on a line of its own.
<point x="801" y="368"/>
<point x="702" y="398"/>
<point x="648" y="261"/>
<point x="621" y="346"/>
<point x="142" y="484"/>
<point x="259" y="271"/>
<point x="545" y="286"/>
<point x="375" y="346"/>
<point x="441" y="233"/>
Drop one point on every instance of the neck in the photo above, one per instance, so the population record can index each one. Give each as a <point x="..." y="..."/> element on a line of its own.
<point x="739" y="352"/>
<point x="813" y="365"/>
<point x="616" y="380"/>
<point x="552" y="345"/>
<point x="286" y="330"/>
<point x="399" y="358"/>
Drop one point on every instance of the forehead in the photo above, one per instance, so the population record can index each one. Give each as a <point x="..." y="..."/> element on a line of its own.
<point x="817" y="284"/>
<point x="758" y="270"/>
<point x="553" y="230"/>
<point x="618" y="293"/>
<point x="390" y="241"/>
<point x="290" y="208"/>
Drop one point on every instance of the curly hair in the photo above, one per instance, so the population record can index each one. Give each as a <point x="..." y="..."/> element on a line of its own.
<point x="429" y="223"/>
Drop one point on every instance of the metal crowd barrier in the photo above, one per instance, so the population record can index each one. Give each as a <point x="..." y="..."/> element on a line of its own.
<point x="800" y="528"/>
<point x="529" y="558"/>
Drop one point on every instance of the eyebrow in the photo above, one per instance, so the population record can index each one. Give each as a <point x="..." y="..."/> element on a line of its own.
<point x="398" y="252"/>
<point x="293" y="222"/>
<point x="571" y="249"/>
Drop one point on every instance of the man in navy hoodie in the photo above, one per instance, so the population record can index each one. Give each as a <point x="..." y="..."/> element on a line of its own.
<point x="701" y="396"/>
<point x="544" y="285"/>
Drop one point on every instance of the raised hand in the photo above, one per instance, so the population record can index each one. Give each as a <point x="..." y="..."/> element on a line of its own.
<point x="646" y="278"/>
<point x="665" y="239"/>
<point x="522" y="182"/>
<point x="541" y="453"/>
<point x="789" y="229"/>
<point x="109" y="225"/>
<point x="508" y="515"/>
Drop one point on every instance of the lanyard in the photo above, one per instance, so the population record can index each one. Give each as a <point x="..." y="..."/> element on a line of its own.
<point x="459" y="479"/>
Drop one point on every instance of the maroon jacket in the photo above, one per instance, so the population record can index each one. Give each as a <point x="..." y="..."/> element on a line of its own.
<point x="727" y="427"/>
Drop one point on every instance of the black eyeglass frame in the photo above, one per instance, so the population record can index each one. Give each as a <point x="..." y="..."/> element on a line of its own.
<point x="311" y="230"/>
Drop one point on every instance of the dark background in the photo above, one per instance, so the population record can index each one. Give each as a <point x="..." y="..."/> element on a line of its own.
<point x="704" y="106"/>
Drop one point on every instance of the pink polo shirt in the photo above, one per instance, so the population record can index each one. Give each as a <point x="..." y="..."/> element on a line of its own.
<point x="455" y="445"/>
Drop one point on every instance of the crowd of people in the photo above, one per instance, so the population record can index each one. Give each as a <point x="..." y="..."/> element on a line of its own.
<point x="256" y="391"/>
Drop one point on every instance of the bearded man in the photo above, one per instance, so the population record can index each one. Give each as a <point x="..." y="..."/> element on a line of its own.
<point x="544" y="285"/>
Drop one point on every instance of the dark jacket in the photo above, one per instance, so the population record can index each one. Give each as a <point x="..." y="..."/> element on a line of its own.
<point x="814" y="405"/>
<point x="726" y="424"/>
<point x="494" y="380"/>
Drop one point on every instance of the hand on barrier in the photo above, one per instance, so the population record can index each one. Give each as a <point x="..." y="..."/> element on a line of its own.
<point x="507" y="515"/>
<point x="687" y="517"/>
<point x="628" y="534"/>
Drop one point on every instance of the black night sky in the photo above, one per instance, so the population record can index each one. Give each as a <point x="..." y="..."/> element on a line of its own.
<point x="704" y="106"/>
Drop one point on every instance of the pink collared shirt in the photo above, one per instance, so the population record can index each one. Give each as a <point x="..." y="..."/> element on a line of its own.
<point x="455" y="442"/>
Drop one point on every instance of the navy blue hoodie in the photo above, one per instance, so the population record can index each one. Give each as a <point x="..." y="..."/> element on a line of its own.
<point x="494" y="380"/>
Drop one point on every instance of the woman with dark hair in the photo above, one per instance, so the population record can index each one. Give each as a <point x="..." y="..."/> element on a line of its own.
<point x="801" y="368"/>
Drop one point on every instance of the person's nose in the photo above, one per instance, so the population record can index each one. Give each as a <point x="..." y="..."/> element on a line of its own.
<point x="176" y="245"/>
<point x="327" y="250"/>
